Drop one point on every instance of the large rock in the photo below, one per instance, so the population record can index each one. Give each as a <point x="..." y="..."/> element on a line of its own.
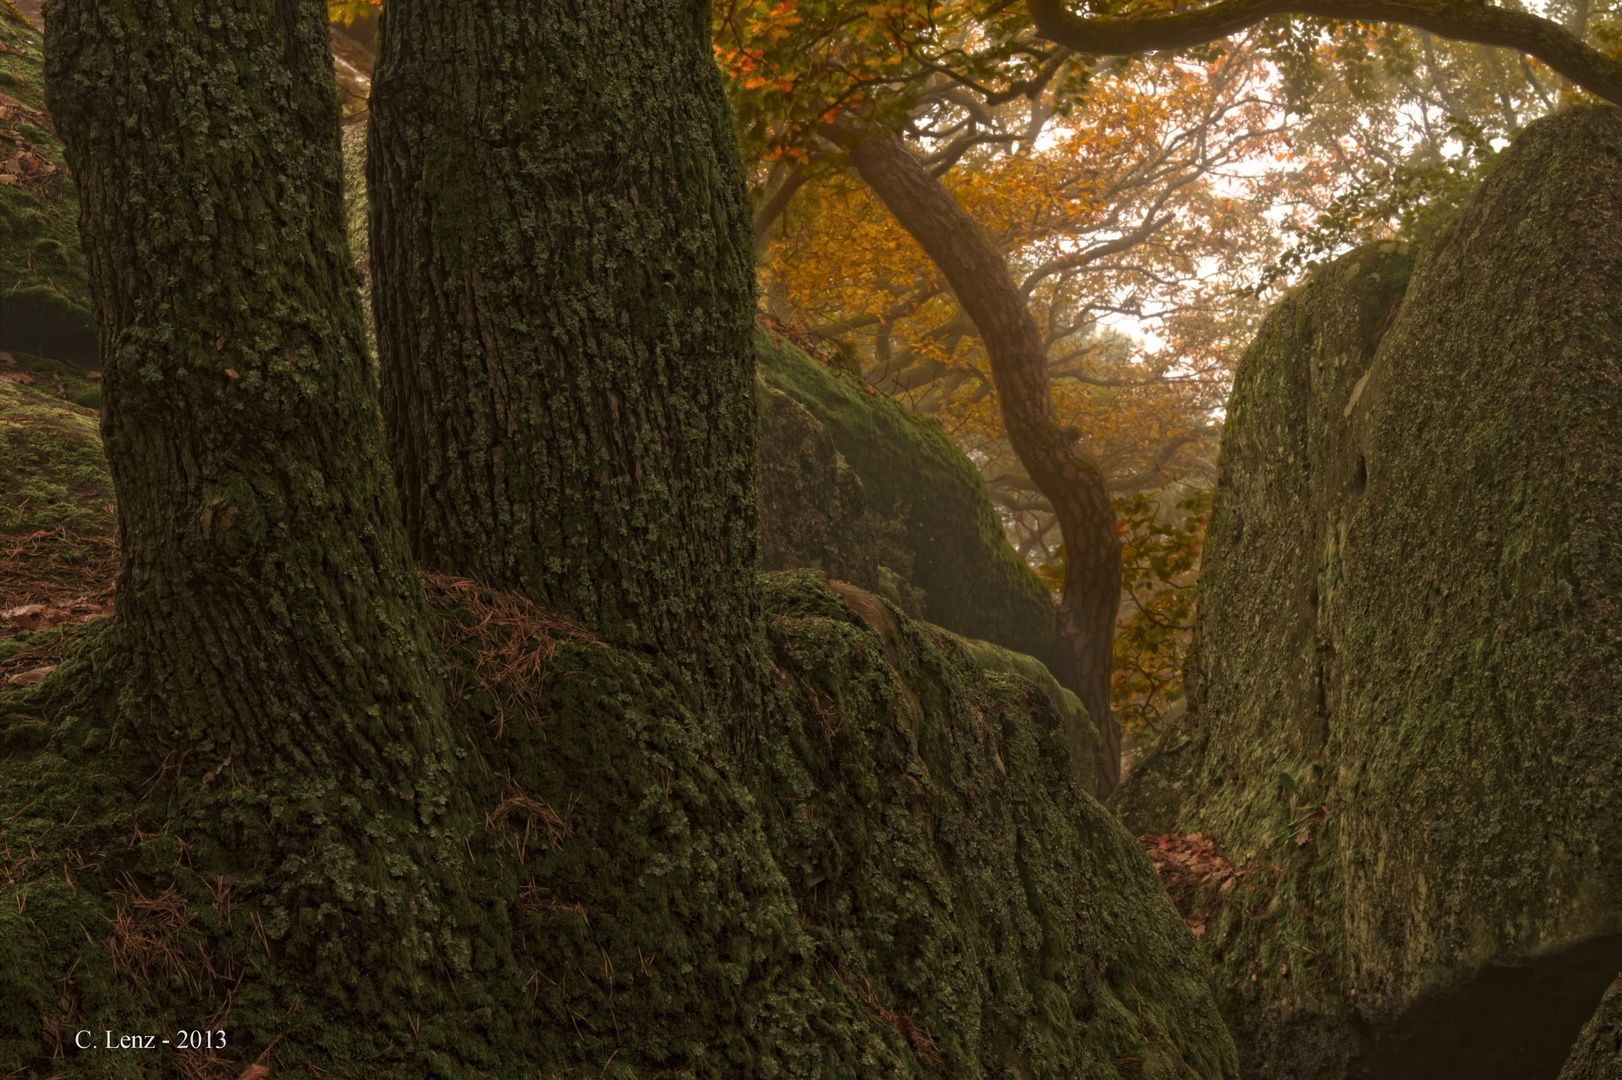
<point x="813" y="506"/>
<point x="1405" y="723"/>
<point x="925" y="802"/>
<point x="1598" y="1053"/>
<point x="906" y="516"/>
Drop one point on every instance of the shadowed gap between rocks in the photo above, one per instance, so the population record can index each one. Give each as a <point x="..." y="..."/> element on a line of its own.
<point x="1506" y="1023"/>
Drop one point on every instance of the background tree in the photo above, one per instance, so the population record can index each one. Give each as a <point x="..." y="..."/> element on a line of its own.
<point x="1121" y="211"/>
<point x="847" y="79"/>
<point x="956" y="115"/>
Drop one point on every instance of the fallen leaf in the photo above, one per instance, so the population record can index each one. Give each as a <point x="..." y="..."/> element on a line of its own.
<point x="26" y="611"/>
<point x="7" y="359"/>
<point x="1306" y="835"/>
<point x="17" y="376"/>
<point x="37" y="616"/>
<point x="233" y="374"/>
<point x="31" y="678"/>
<point x="254" y="1072"/>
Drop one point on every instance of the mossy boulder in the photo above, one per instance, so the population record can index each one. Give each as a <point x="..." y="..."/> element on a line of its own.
<point x="903" y="878"/>
<point x="1405" y="727"/>
<point x="813" y="508"/>
<point x="922" y="799"/>
<point x="44" y="283"/>
<point x="816" y="513"/>
<point x="915" y="478"/>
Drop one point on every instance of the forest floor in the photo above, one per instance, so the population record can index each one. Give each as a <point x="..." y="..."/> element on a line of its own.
<point x="58" y="531"/>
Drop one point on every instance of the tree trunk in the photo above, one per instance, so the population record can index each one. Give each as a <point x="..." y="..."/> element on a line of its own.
<point x="270" y="623"/>
<point x="563" y="292"/>
<point x="1075" y="486"/>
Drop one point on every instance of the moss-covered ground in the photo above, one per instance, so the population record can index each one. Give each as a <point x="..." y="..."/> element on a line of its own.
<point x="58" y="547"/>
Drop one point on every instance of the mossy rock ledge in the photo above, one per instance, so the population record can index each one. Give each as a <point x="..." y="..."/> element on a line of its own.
<point x="816" y="513"/>
<point x="937" y="528"/>
<point x="1598" y="1053"/>
<point x="1405" y="728"/>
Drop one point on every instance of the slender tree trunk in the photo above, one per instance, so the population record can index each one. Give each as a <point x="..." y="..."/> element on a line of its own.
<point x="563" y="283"/>
<point x="980" y="278"/>
<point x="271" y="627"/>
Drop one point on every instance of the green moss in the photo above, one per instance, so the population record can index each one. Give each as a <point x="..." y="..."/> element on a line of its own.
<point x="1078" y="726"/>
<point x="926" y="812"/>
<point x="813" y="506"/>
<point x="52" y="470"/>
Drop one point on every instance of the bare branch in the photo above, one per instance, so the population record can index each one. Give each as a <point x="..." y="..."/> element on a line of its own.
<point x="773" y="208"/>
<point x="1092" y="254"/>
<point x="1485" y="24"/>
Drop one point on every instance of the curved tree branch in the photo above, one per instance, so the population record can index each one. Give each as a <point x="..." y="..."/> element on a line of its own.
<point x="1459" y="20"/>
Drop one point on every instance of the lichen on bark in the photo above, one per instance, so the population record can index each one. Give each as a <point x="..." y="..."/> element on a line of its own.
<point x="563" y="291"/>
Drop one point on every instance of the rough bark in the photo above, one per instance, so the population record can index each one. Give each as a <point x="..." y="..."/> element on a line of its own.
<point x="269" y="620"/>
<point x="563" y="297"/>
<point x="1482" y="23"/>
<point x="1075" y="486"/>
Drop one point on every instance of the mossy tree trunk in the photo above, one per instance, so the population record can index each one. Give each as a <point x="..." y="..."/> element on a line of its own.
<point x="271" y="628"/>
<point x="563" y="295"/>
<point x="1073" y="485"/>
